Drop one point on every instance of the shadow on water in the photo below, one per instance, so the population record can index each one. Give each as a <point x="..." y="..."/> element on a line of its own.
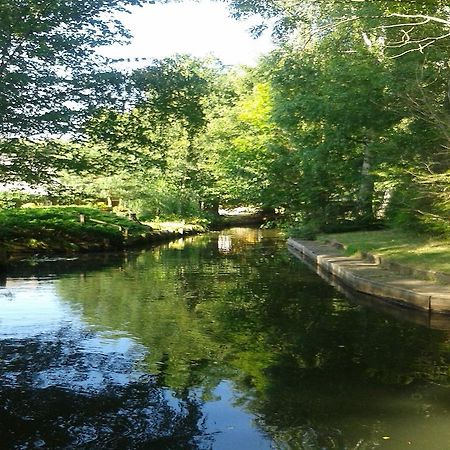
<point x="221" y="341"/>
<point x="44" y="266"/>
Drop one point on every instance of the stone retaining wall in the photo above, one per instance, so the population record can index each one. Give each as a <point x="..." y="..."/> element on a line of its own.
<point x="338" y="266"/>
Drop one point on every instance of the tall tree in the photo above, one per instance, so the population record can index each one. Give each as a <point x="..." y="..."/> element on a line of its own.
<point x="402" y="25"/>
<point x="158" y="137"/>
<point x="50" y="75"/>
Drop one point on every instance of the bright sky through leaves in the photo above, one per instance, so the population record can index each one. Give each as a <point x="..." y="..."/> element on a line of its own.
<point x="197" y="28"/>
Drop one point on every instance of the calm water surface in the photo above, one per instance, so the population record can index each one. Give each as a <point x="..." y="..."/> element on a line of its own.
<point x="223" y="341"/>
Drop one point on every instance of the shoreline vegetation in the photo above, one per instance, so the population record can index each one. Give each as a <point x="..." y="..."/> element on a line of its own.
<point x="399" y="258"/>
<point x="80" y="229"/>
<point x="84" y="229"/>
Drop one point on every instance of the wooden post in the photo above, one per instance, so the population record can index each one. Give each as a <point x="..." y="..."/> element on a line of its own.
<point x="82" y="219"/>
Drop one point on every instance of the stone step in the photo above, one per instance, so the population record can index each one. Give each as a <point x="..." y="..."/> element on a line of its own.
<point x="371" y="277"/>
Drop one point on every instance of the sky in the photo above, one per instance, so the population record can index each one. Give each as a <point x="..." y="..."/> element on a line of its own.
<point x="198" y="28"/>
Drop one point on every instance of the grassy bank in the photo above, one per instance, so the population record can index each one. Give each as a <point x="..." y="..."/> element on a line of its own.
<point x="59" y="229"/>
<point x="419" y="251"/>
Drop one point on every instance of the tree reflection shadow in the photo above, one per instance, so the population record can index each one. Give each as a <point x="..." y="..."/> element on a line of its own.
<point x="316" y="370"/>
<point x="41" y="410"/>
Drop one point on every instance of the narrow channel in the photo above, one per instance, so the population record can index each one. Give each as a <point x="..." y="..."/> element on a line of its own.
<point x="220" y="341"/>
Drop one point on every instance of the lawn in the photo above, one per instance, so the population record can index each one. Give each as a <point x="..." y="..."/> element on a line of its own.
<point x="60" y="229"/>
<point x="420" y="251"/>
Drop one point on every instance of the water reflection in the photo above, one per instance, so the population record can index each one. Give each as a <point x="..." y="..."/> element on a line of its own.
<point x="387" y="306"/>
<point x="222" y="341"/>
<point x="29" y="307"/>
<point x="224" y="243"/>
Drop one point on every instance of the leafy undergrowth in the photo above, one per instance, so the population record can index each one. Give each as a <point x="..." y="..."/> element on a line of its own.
<point x="59" y="229"/>
<point x="420" y="251"/>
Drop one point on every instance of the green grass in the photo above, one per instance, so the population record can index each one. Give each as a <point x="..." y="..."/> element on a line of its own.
<point x="59" y="228"/>
<point x="420" y="251"/>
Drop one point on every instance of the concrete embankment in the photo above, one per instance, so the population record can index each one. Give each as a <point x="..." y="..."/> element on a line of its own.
<point x="369" y="277"/>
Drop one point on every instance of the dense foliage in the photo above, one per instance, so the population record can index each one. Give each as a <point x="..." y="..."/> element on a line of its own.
<point x="59" y="229"/>
<point x="360" y="90"/>
<point x="51" y="79"/>
<point x="344" y="125"/>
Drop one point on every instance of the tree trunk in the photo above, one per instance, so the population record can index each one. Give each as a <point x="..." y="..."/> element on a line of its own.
<point x="366" y="188"/>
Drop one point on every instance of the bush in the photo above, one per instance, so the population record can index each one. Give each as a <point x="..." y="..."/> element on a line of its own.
<point x="420" y="208"/>
<point x="309" y="231"/>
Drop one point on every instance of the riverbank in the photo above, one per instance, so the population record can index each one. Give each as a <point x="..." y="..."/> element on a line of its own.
<point x="78" y="229"/>
<point x="379" y="275"/>
<point x="418" y="252"/>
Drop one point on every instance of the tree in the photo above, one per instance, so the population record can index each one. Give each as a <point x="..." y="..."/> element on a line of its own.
<point x="238" y="146"/>
<point x="47" y="51"/>
<point x="402" y="26"/>
<point x="156" y="140"/>
<point x="50" y="75"/>
<point x="334" y="104"/>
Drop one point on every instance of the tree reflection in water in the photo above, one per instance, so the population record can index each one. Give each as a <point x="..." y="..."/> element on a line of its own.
<point x="313" y="370"/>
<point x="56" y="393"/>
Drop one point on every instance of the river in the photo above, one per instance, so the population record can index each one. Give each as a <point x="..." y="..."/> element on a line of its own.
<point x="220" y="341"/>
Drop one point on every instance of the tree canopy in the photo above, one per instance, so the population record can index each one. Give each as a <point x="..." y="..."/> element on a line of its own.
<point x="344" y="124"/>
<point x="51" y="77"/>
<point x="49" y="71"/>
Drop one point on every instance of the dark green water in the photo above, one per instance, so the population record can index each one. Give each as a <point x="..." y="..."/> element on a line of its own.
<point x="222" y="341"/>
